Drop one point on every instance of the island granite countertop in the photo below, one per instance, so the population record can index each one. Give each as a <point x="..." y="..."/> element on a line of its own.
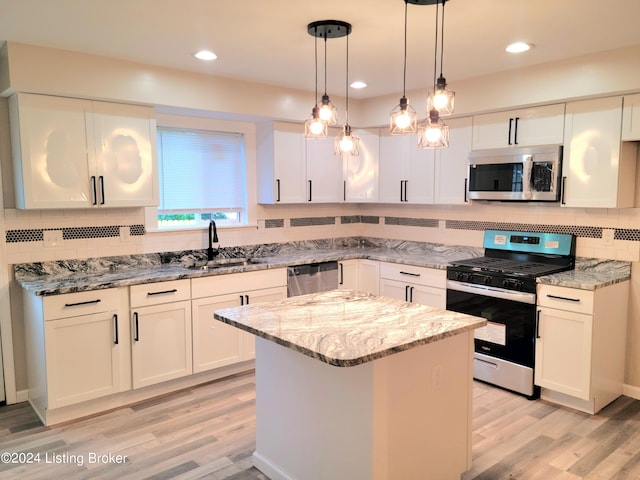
<point x="345" y="328"/>
<point x="68" y="276"/>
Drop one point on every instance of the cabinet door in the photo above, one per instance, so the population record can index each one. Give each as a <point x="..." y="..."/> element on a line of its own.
<point x="430" y="296"/>
<point x="452" y="164"/>
<point x="348" y="274"/>
<point x="215" y="344"/>
<point x="563" y="352"/>
<point x="491" y="130"/>
<point x="419" y="182"/>
<point x="161" y="347"/>
<point x="394" y="151"/>
<point x="127" y="166"/>
<point x="52" y="153"/>
<point x="83" y="356"/>
<point x="631" y="118"/>
<point x="591" y="163"/>
<point x="394" y="289"/>
<point x="324" y="172"/>
<point x="369" y="276"/>
<point x="361" y="172"/>
<point x="248" y="340"/>
<point x="289" y="167"/>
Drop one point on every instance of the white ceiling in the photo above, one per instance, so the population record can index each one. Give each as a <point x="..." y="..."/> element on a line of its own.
<point x="266" y="41"/>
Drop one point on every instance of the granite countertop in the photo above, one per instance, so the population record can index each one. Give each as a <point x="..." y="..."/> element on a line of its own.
<point x="68" y="276"/>
<point x="345" y="328"/>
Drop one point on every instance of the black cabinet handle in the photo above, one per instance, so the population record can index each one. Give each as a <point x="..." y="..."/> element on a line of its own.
<point x="277" y="189"/>
<point x="88" y="302"/>
<point x="466" y="186"/>
<point x="115" y="326"/>
<point x="567" y="299"/>
<point x="401" y="190"/>
<point x="94" y="192"/>
<point x="163" y="292"/>
<point x="310" y="186"/>
<point x="515" y="131"/>
<point x="247" y="299"/>
<point x="564" y="183"/>
<point x="406" y="183"/>
<point x="509" y="133"/>
<point x="341" y="282"/>
<point x="406" y="293"/>
<point x="538" y="324"/>
<point x="344" y="190"/>
<point x="136" y="335"/>
<point x="101" y="179"/>
<point x="241" y="300"/>
<point x="410" y="273"/>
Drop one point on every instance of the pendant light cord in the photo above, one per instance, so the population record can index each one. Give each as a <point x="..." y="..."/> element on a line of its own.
<point x="316" y="60"/>
<point x="404" y="74"/>
<point x="435" y="54"/>
<point x="442" y="39"/>
<point x="346" y="96"/>
<point x="325" y="63"/>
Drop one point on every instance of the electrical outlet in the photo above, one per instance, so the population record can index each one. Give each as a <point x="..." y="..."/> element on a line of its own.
<point x="607" y="236"/>
<point x="125" y="233"/>
<point x="52" y="238"/>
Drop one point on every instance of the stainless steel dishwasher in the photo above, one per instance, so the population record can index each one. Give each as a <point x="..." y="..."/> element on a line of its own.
<point x="312" y="278"/>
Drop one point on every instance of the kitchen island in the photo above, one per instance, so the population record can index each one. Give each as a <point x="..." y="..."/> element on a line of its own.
<point x="401" y="409"/>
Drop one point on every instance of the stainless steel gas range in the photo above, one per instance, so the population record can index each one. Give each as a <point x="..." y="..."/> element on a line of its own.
<point x="501" y="287"/>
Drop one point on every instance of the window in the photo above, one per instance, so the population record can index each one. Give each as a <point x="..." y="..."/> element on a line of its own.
<point x="202" y="176"/>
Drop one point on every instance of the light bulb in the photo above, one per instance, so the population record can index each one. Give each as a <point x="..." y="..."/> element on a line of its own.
<point x="440" y="100"/>
<point x="433" y="134"/>
<point x="403" y="120"/>
<point x="316" y="126"/>
<point x="325" y="113"/>
<point x="346" y="144"/>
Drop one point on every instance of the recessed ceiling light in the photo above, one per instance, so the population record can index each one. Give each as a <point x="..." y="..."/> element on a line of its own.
<point x="358" y="84"/>
<point x="205" y="55"/>
<point x="519" y="47"/>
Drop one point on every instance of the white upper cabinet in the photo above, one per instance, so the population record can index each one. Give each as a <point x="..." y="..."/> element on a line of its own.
<point x="598" y="169"/>
<point x="281" y="166"/>
<point x="361" y="172"/>
<point x="452" y="164"/>
<point x="631" y="118"/>
<point x="406" y="171"/>
<point x="324" y="170"/>
<point x="73" y="153"/>
<point x="519" y="128"/>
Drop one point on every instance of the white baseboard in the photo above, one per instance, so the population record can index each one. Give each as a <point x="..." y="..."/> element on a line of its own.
<point x="22" y="396"/>
<point x="631" y="391"/>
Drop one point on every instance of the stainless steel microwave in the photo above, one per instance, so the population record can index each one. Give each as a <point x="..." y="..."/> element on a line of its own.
<point x="524" y="174"/>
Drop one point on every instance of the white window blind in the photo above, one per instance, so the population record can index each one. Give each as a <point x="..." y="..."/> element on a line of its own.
<point x="201" y="170"/>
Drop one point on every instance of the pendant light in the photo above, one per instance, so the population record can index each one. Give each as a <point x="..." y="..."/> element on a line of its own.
<point x="403" y="119"/>
<point x="314" y="127"/>
<point x="328" y="112"/>
<point x="346" y="142"/>
<point x="440" y="97"/>
<point x="433" y="132"/>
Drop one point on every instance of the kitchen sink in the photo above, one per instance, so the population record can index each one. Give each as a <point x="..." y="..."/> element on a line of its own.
<point x="225" y="262"/>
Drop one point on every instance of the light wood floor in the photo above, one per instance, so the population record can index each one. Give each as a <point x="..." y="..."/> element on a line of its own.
<point x="208" y="432"/>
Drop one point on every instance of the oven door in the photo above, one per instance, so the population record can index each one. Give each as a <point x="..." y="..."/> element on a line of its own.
<point x="505" y="347"/>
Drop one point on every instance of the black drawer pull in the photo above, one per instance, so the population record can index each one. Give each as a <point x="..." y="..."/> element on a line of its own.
<point x="88" y="302"/>
<point x="162" y="292"/>
<point x="115" y="324"/>
<point x="411" y="274"/>
<point x="556" y="297"/>
<point x="136" y="335"/>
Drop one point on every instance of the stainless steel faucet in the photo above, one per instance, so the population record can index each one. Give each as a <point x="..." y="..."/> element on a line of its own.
<point x="213" y="238"/>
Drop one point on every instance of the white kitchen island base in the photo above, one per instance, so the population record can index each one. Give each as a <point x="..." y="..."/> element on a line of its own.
<point x="401" y="417"/>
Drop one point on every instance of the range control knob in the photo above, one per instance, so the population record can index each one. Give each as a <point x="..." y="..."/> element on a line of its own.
<point x="513" y="284"/>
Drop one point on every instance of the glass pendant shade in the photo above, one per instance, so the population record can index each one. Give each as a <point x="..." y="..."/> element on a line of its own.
<point x="346" y="143"/>
<point x="433" y="132"/>
<point x="441" y="99"/>
<point x="328" y="112"/>
<point x="403" y="119"/>
<point x="314" y="127"/>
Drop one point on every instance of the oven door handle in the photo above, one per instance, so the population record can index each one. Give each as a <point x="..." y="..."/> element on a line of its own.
<point x="486" y="291"/>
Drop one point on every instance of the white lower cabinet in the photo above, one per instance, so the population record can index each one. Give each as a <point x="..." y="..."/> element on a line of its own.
<point x="580" y="345"/>
<point x="161" y="332"/>
<point x="216" y="344"/>
<point x="359" y="274"/>
<point x="77" y="347"/>
<point x="426" y="286"/>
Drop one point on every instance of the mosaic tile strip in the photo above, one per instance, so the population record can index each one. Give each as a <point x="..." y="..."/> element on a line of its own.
<point x="577" y="230"/>
<point x="310" y="221"/>
<point x="411" y="222"/>
<point x="370" y="219"/>
<point x="274" y="223"/>
<point x="350" y="219"/>
<point x="627" y="234"/>
<point x="72" y="233"/>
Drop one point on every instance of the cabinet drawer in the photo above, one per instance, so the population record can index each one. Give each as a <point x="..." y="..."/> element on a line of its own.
<point x="69" y="305"/>
<point x="562" y="298"/>
<point x="238" y="282"/>
<point x="160" y="292"/>
<point x="429" y="277"/>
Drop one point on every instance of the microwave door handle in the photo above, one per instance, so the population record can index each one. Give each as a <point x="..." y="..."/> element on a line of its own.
<point x="527" y="169"/>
